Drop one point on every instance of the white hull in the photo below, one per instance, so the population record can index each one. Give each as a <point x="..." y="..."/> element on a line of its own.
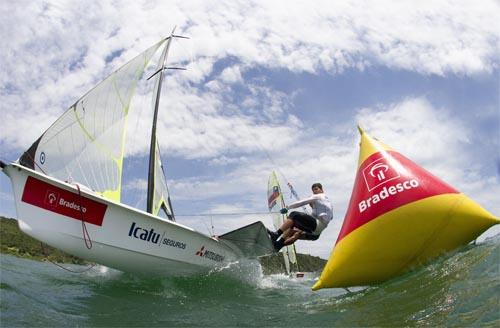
<point x="122" y="237"/>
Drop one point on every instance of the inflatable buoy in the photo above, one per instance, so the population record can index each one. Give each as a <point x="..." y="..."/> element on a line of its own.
<point x="399" y="216"/>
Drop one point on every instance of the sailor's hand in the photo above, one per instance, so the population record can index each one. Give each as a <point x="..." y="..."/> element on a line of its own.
<point x="284" y="210"/>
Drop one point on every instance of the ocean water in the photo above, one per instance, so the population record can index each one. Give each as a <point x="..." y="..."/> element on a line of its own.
<point x="460" y="289"/>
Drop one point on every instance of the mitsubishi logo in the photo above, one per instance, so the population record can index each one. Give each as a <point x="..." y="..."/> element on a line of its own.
<point x="210" y="255"/>
<point x="201" y="251"/>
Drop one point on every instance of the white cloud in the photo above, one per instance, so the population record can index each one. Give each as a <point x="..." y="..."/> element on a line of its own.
<point x="231" y="75"/>
<point x="136" y="185"/>
<point x="428" y="132"/>
<point x="61" y="48"/>
<point x="198" y="124"/>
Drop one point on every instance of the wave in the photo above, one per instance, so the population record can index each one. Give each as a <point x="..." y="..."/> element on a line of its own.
<point x="458" y="289"/>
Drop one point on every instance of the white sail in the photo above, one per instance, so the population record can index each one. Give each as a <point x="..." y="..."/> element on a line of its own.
<point x="275" y="202"/>
<point x="86" y="144"/>
<point x="161" y="196"/>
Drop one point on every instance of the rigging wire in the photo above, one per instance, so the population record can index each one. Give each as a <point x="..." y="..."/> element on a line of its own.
<point x="271" y="159"/>
<point x="229" y="214"/>
<point x="212" y="223"/>
<point x="46" y="254"/>
<point x="208" y="229"/>
<point x="85" y="232"/>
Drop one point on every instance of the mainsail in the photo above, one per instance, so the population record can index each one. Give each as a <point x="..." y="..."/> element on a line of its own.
<point x="86" y="144"/>
<point x="275" y="202"/>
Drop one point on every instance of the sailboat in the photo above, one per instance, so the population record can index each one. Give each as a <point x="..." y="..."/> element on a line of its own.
<point x="67" y="188"/>
<point x="275" y="202"/>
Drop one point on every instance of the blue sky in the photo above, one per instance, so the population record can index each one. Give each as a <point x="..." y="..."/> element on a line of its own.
<point x="270" y="85"/>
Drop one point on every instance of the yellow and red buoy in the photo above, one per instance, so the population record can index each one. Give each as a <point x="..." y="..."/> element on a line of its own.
<point x="399" y="216"/>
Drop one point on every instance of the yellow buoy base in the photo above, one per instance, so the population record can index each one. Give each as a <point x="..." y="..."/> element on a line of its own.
<point x="403" y="238"/>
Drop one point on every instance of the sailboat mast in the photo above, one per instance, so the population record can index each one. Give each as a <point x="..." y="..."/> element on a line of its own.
<point x="152" y="148"/>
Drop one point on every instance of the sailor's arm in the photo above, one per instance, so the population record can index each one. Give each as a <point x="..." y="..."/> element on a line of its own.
<point x="302" y="202"/>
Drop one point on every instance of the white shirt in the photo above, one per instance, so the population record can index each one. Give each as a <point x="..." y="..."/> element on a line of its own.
<point x="321" y="207"/>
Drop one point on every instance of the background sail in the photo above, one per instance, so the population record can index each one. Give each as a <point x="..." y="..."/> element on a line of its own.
<point x="275" y="202"/>
<point x="86" y="144"/>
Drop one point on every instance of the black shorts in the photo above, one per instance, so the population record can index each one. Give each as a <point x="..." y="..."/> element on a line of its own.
<point x="303" y="221"/>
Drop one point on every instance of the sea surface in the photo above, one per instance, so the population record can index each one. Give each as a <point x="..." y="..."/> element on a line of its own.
<point x="460" y="289"/>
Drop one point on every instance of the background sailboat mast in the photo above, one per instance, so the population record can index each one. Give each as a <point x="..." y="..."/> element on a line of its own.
<point x="152" y="152"/>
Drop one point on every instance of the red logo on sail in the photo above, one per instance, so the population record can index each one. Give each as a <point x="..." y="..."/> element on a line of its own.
<point x="61" y="201"/>
<point x="271" y="199"/>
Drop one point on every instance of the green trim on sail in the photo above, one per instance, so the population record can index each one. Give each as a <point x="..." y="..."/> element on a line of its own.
<point x="160" y="189"/>
<point x="87" y="146"/>
<point x="158" y="205"/>
<point x="116" y="193"/>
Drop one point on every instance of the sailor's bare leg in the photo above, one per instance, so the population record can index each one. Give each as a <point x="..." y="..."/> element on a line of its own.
<point x="286" y="225"/>
<point x="294" y="235"/>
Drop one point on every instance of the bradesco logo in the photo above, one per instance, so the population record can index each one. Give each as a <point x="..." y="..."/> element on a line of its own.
<point x="209" y="255"/>
<point x="378" y="173"/>
<point x="61" y="201"/>
<point x="384" y="182"/>
<point x="52" y="199"/>
<point x="386" y="193"/>
<point x="151" y="236"/>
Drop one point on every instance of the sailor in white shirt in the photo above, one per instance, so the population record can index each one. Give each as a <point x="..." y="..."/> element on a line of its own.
<point x="299" y="225"/>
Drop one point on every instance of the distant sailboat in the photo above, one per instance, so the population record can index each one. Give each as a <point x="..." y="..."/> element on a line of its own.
<point x="67" y="188"/>
<point x="275" y="202"/>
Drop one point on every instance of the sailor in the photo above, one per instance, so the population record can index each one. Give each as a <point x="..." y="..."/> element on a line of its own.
<point x="299" y="225"/>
